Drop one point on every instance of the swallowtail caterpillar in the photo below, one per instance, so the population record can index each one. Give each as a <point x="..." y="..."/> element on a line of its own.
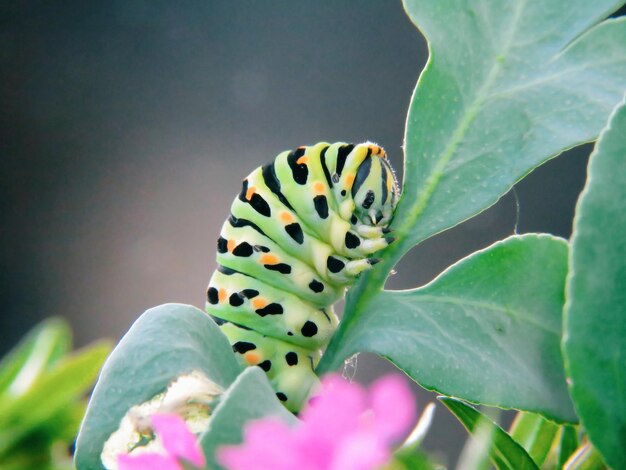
<point x="301" y="230"/>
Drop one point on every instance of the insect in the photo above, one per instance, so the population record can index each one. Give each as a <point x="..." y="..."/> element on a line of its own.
<point x="300" y="231"/>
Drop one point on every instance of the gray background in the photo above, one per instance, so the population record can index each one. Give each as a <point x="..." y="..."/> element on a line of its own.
<point x="128" y="126"/>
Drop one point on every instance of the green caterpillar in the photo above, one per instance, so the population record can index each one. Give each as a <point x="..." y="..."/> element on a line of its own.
<point x="299" y="233"/>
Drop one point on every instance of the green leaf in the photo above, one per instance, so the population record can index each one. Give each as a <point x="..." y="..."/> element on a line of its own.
<point x="54" y="391"/>
<point x="63" y="426"/>
<point x="509" y="84"/>
<point x="595" y="313"/>
<point x="38" y="350"/>
<point x="237" y="408"/>
<point x="568" y="443"/>
<point x="47" y="446"/>
<point x="164" y="343"/>
<point x="34" y="456"/>
<point x="535" y="434"/>
<point x="504" y="452"/>
<point x="487" y="330"/>
<point x="412" y="459"/>
<point x="586" y="457"/>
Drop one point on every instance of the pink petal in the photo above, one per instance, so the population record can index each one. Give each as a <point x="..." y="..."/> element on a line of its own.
<point x="337" y="432"/>
<point x="362" y="451"/>
<point x="315" y="451"/>
<point x="177" y="440"/>
<point x="333" y="415"/>
<point x="148" y="461"/>
<point x="336" y="410"/>
<point x="267" y="430"/>
<point x="268" y="445"/>
<point x="394" y="407"/>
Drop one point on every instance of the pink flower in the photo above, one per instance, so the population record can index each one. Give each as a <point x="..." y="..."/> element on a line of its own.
<point x="344" y="428"/>
<point x="178" y="443"/>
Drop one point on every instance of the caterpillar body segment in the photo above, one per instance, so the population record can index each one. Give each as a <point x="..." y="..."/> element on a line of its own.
<point x="300" y="231"/>
<point x="273" y="265"/>
<point x="287" y="366"/>
<point x="272" y="312"/>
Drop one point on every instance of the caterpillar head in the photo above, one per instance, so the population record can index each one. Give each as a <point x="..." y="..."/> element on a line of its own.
<point x="375" y="189"/>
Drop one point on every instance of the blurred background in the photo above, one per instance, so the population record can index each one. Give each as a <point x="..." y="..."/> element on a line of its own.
<point x="127" y="127"/>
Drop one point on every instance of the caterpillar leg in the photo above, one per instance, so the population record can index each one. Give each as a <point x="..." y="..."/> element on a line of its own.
<point x="370" y="231"/>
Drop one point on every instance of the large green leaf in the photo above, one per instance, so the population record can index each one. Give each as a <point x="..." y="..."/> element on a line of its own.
<point x="164" y="343"/>
<point x="595" y="314"/>
<point x="505" y="453"/>
<point x="487" y="330"/>
<point x="508" y="85"/>
<point x="250" y="397"/>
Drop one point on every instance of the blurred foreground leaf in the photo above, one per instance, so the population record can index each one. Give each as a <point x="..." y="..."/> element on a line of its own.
<point x="595" y="314"/>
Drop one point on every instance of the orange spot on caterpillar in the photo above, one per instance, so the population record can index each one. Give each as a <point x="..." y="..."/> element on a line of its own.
<point x="350" y="179"/>
<point x="252" y="358"/>
<point x="221" y="295"/>
<point x="231" y="245"/>
<point x="251" y="190"/>
<point x="318" y="187"/>
<point x="302" y="160"/>
<point x="269" y="259"/>
<point x="259" y="303"/>
<point x="286" y="217"/>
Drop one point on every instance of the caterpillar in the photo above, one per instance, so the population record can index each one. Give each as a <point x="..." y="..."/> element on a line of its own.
<point x="300" y="231"/>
